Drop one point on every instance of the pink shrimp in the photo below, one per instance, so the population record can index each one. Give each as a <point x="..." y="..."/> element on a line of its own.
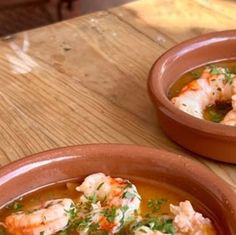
<point x="111" y="191"/>
<point x="230" y="117"/>
<point x="187" y="221"/>
<point x="109" y="196"/>
<point x="218" y="85"/>
<point x="47" y="220"/>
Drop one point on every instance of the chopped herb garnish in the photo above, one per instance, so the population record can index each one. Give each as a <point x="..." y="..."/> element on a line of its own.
<point x="15" y="206"/>
<point x="124" y="208"/>
<point x="122" y="220"/>
<point x="94" y="229"/>
<point x="228" y="78"/>
<point x="72" y="212"/>
<point x="128" y="185"/>
<point x="109" y="213"/>
<point x="92" y="199"/>
<point x="155" y="204"/>
<point x="100" y="185"/>
<point x="216" y="112"/>
<point x="156" y="224"/>
<point x="168" y="227"/>
<point x="128" y="195"/>
<point x="228" y="75"/>
<point x="215" y="70"/>
<point x="195" y="74"/>
<point x="216" y="117"/>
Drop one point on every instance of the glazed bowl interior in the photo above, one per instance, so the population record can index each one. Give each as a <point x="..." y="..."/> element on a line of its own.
<point x="50" y="167"/>
<point x="194" y="53"/>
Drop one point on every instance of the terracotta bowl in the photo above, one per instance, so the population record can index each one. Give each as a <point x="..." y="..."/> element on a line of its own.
<point x="122" y="160"/>
<point x="208" y="139"/>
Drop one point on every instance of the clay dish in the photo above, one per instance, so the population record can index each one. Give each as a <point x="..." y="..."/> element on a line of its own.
<point x="212" y="140"/>
<point x="128" y="161"/>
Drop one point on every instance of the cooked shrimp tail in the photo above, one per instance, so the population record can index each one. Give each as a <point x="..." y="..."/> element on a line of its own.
<point x="188" y="221"/>
<point x="214" y="85"/>
<point x="51" y="218"/>
<point x="113" y="201"/>
<point x="230" y="117"/>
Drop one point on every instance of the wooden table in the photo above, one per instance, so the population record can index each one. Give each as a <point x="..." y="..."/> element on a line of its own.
<point x="84" y="80"/>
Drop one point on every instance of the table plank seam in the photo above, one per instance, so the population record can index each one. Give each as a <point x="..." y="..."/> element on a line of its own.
<point x="143" y="33"/>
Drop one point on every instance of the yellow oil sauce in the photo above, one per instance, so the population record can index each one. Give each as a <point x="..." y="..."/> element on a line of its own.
<point x="216" y="112"/>
<point x="149" y="190"/>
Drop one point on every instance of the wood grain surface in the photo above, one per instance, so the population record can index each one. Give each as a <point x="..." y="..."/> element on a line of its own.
<point x="84" y="80"/>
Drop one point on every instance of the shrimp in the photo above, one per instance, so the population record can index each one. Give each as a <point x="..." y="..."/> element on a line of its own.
<point x="112" y="200"/>
<point x="230" y="117"/>
<point x="188" y="221"/>
<point x="115" y="192"/>
<point x="51" y="218"/>
<point x="109" y="220"/>
<point x="215" y="84"/>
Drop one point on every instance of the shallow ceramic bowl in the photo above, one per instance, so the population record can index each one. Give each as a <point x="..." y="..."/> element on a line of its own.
<point x="212" y="140"/>
<point x="128" y="161"/>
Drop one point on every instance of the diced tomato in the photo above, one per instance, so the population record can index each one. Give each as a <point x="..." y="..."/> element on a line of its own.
<point x="106" y="225"/>
<point x="191" y="86"/>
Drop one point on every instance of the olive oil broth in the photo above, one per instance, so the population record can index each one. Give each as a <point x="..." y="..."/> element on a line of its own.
<point x="213" y="113"/>
<point x="149" y="190"/>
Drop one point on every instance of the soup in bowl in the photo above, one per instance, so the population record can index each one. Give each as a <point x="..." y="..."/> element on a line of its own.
<point x="193" y="87"/>
<point x="208" y="93"/>
<point x="113" y="189"/>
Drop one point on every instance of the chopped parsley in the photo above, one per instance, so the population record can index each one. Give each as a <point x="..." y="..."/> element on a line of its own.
<point x="216" y="117"/>
<point x="92" y="199"/>
<point x="15" y="206"/>
<point x="228" y="75"/>
<point x="215" y="70"/>
<point x="216" y="112"/>
<point x="155" y="204"/>
<point x="228" y="78"/>
<point x="156" y="224"/>
<point x="110" y="214"/>
<point x="128" y="195"/>
<point x="100" y="185"/>
<point x="72" y="212"/>
<point x="195" y="74"/>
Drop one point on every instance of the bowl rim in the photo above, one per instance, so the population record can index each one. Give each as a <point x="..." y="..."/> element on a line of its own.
<point x="196" y="170"/>
<point x="158" y="94"/>
<point x="62" y="153"/>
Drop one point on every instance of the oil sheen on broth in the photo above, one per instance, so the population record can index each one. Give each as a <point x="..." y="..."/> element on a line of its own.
<point x="216" y="112"/>
<point x="154" y="196"/>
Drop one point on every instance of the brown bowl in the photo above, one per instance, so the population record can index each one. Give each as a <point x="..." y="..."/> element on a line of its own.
<point x="129" y="161"/>
<point x="212" y="140"/>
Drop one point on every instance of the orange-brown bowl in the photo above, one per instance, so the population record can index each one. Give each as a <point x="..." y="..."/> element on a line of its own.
<point x="31" y="173"/>
<point x="212" y="140"/>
